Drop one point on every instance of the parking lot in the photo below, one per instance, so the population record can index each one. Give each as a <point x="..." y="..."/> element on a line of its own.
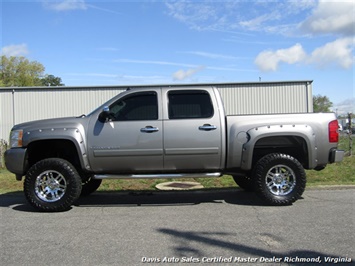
<point x="193" y="227"/>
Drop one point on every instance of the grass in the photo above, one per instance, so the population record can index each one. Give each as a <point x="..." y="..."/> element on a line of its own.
<point x="342" y="173"/>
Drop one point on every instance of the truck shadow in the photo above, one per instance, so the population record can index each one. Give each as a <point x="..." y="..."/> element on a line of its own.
<point x="170" y="198"/>
<point x="18" y="202"/>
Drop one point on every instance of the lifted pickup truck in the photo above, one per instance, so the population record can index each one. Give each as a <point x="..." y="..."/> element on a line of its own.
<point x="169" y="132"/>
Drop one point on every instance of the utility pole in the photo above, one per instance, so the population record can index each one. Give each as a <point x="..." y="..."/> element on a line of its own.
<point x="350" y="133"/>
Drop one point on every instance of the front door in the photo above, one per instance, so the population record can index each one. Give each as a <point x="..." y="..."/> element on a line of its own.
<point x="131" y="140"/>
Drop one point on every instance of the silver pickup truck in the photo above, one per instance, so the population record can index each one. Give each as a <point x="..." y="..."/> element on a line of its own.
<point x="169" y="132"/>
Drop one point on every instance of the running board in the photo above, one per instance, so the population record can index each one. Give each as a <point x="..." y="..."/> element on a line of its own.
<point x="156" y="176"/>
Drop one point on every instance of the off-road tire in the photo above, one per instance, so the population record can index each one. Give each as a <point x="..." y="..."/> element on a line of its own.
<point x="52" y="185"/>
<point x="279" y="179"/>
<point x="90" y="186"/>
<point x="244" y="182"/>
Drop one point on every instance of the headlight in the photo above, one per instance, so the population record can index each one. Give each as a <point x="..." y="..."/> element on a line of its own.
<point x="16" y="138"/>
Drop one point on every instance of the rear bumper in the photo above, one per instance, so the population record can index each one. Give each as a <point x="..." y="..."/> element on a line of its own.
<point x="15" y="161"/>
<point x="336" y="156"/>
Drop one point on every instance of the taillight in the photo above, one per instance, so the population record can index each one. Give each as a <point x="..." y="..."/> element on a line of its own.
<point x="333" y="129"/>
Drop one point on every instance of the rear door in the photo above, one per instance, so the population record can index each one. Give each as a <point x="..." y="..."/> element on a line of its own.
<point x="192" y="130"/>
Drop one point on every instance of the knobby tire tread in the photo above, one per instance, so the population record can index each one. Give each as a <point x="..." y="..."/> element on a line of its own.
<point x="73" y="190"/>
<point x="261" y="169"/>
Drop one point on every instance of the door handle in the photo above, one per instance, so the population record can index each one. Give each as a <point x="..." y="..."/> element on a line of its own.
<point x="149" y="129"/>
<point x="207" y="127"/>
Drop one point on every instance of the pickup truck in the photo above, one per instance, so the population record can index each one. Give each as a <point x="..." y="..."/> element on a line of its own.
<point x="169" y="132"/>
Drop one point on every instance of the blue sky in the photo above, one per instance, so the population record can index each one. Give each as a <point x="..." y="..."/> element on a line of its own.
<point x="153" y="42"/>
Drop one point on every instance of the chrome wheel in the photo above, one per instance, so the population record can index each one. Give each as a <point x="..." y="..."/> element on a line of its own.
<point x="280" y="180"/>
<point x="50" y="186"/>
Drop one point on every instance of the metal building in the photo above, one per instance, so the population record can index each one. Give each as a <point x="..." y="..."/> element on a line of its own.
<point x="22" y="104"/>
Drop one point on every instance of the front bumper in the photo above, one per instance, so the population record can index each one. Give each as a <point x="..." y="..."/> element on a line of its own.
<point x="336" y="155"/>
<point x="15" y="161"/>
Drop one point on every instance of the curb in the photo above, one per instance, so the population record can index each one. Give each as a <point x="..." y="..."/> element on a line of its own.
<point x="330" y="187"/>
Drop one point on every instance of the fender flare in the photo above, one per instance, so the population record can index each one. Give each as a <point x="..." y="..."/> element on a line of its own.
<point x="255" y="134"/>
<point x="73" y="135"/>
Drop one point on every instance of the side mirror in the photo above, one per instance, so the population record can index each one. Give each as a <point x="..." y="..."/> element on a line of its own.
<point x="104" y="115"/>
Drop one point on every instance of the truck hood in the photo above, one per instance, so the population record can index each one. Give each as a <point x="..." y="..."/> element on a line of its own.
<point x="65" y="122"/>
<point x="57" y="128"/>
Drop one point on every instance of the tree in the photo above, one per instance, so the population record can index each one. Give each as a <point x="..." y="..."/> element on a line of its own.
<point x="50" y="80"/>
<point x="321" y="104"/>
<point x="20" y="72"/>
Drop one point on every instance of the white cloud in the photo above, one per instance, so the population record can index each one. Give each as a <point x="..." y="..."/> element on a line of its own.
<point x="256" y="23"/>
<point x="334" y="17"/>
<point x="269" y="60"/>
<point x="65" y="5"/>
<point x="103" y="9"/>
<point x="197" y="15"/>
<point x="149" y="62"/>
<point x="68" y="5"/>
<point x="15" y="50"/>
<point x="328" y="17"/>
<point x="338" y="53"/>
<point x="211" y="55"/>
<point x="93" y="75"/>
<point x="182" y="74"/>
<point x="119" y="78"/>
<point x="255" y="16"/>
<point x="273" y="17"/>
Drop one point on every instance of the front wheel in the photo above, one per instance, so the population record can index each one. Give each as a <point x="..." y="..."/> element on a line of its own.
<point x="279" y="179"/>
<point x="52" y="185"/>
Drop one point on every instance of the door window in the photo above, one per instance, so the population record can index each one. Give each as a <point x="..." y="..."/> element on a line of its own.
<point x="189" y="104"/>
<point x="139" y="106"/>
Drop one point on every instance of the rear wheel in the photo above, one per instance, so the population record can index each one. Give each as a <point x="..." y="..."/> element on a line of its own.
<point x="52" y="185"/>
<point x="279" y="179"/>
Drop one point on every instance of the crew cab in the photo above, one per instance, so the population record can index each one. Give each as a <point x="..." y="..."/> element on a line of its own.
<point x="169" y="132"/>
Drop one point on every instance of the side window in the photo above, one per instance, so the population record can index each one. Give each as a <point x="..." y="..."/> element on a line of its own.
<point x="189" y="104"/>
<point x="139" y="106"/>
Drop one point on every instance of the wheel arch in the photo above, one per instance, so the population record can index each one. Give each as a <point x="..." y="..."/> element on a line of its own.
<point x="295" y="140"/>
<point x="295" y="146"/>
<point x="55" y="148"/>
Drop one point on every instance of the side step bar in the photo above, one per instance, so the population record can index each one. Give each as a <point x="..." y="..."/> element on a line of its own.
<point x="156" y="176"/>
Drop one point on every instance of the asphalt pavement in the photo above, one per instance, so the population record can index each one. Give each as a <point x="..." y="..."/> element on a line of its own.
<point x="215" y="227"/>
